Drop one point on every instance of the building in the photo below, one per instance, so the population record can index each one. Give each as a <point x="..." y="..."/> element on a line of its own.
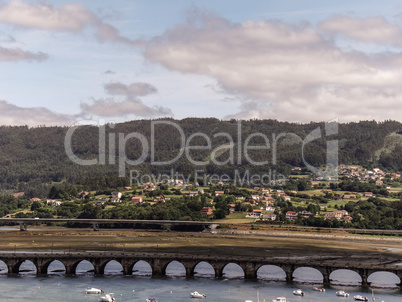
<point x="206" y="211"/>
<point x="136" y="199"/>
<point x="291" y="215"/>
<point x="218" y="193"/>
<point x="268" y="217"/>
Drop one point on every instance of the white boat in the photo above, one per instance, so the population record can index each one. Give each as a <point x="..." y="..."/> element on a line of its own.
<point x="279" y="299"/>
<point x="319" y="289"/>
<point x="197" y="295"/>
<point x="107" y="298"/>
<point x="151" y="300"/>
<point x="341" y="293"/>
<point x="360" y="298"/>
<point x="93" y="290"/>
<point x="298" y="292"/>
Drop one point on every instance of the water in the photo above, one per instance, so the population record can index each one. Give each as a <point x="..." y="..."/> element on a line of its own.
<point x="174" y="287"/>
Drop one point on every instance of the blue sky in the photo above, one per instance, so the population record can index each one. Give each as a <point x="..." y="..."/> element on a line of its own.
<point x="299" y="61"/>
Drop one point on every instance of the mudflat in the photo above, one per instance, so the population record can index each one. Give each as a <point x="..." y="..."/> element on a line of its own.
<point x="220" y="243"/>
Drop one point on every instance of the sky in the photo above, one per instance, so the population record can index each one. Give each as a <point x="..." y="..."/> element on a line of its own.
<point x="63" y="62"/>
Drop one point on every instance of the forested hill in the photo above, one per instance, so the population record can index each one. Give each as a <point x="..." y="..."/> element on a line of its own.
<point x="33" y="158"/>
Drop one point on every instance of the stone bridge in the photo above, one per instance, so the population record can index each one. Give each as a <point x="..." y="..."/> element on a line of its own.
<point x="159" y="262"/>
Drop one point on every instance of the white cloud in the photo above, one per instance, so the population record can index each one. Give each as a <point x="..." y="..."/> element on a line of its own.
<point x="128" y="107"/>
<point x="134" y="89"/>
<point x="284" y="71"/>
<point x="17" y="54"/>
<point x="371" y="29"/>
<point x="72" y="17"/>
<point x="14" y="115"/>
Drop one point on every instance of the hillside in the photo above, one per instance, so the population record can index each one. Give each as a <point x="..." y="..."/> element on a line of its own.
<point x="31" y="159"/>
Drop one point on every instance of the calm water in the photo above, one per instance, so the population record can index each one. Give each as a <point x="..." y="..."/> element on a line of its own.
<point x="56" y="287"/>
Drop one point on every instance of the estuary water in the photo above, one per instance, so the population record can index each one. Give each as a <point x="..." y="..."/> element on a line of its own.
<point x="56" y="287"/>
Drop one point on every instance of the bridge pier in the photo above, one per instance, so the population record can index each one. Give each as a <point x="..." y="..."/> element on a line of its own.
<point x="23" y="226"/>
<point x="289" y="269"/>
<point x="250" y="272"/>
<point x="95" y="226"/>
<point x="157" y="269"/>
<point x="364" y="275"/>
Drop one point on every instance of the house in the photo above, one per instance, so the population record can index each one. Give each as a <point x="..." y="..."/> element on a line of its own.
<point x="255" y="214"/>
<point x="268" y="217"/>
<point x="287" y="198"/>
<point x="218" y="193"/>
<point x="305" y="214"/>
<point x="379" y="182"/>
<point x="347" y="218"/>
<point x="116" y="194"/>
<point x="206" y="211"/>
<point x="127" y="188"/>
<point x="193" y="193"/>
<point x="53" y="202"/>
<point x="368" y="194"/>
<point x="136" y="199"/>
<point x="269" y="209"/>
<point x="291" y="215"/>
<point x="255" y="197"/>
<point x="34" y="199"/>
<point x="334" y="215"/>
<point x="114" y="199"/>
<point x="232" y="208"/>
<point x="349" y="196"/>
<point x="159" y="199"/>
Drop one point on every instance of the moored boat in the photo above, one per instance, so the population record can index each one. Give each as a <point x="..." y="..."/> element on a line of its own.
<point x="93" y="290"/>
<point x="319" y="289"/>
<point x="341" y="293"/>
<point x="151" y="300"/>
<point x="360" y="298"/>
<point x="298" y="292"/>
<point x="197" y="295"/>
<point x="279" y="299"/>
<point x="107" y="298"/>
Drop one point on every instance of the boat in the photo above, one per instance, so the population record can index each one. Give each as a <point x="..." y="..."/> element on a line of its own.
<point x="197" y="295"/>
<point x="279" y="299"/>
<point x="298" y="292"/>
<point x="341" y="293"/>
<point x="93" y="290"/>
<point x="151" y="300"/>
<point x="319" y="289"/>
<point x="360" y="298"/>
<point x="107" y="298"/>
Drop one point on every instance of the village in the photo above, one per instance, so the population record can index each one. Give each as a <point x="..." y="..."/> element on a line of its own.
<point x="303" y="200"/>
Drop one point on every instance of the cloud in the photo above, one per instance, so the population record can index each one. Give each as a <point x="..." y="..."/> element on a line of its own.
<point x="14" y="115"/>
<point x="72" y="17"/>
<point x="134" y="89"/>
<point x="128" y="107"/>
<point x="17" y="54"/>
<point x="284" y="71"/>
<point x="371" y="29"/>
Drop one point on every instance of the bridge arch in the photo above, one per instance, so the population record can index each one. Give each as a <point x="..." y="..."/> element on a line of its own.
<point x="3" y="267"/>
<point x="271" y="272"/>
<point x="111" y="267"/>
<point x="346" y="277"/>
<point x="175" y="268"/>
<point x="203" y="269"/>
<point x="141" y="268"/>
<point x="376" y="279"/>
<point x="308" y="274"/>
<point x="53" y="266"/>
<point x="82" y="267"/>
<point x="26" y="267"/>
<point x="232" y="270"/>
